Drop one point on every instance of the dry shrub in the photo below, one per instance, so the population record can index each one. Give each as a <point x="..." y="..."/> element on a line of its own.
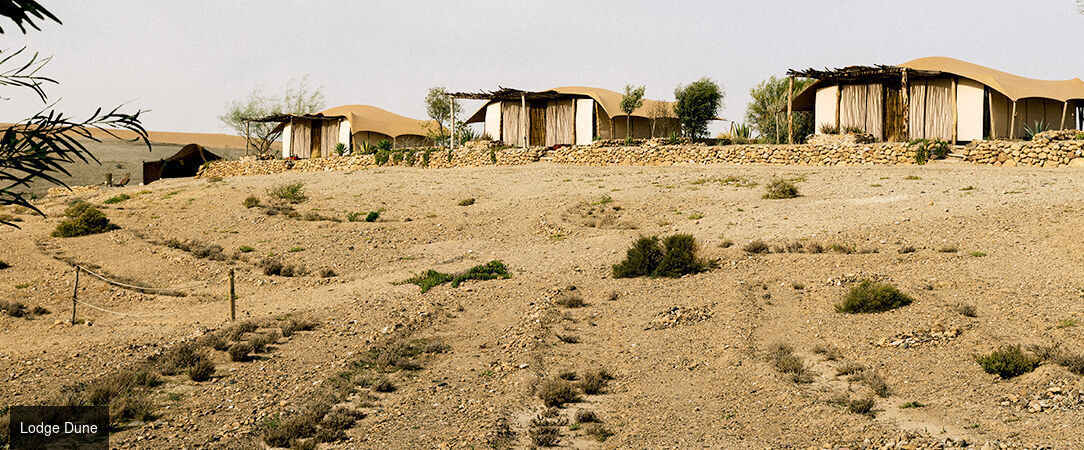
<point x="872" y="297"/>
<point x="860" y="406"/>
<point x="545" y="432"/>
<point x="756" y="246"/>
<point x="131" y="406"/>
<point x="675" y="256"/>
<point x="877" y="383"/>
<point x="586" y="416"/>
<point x="284" y="433"/>
<point x="260" y="342"/>
<point x="599" y="432"/>
<point x="850" y="368"/>
<point x="785" y="361"/>
<point x="202" y="371"/>
<point x="556" y="393"/>
<point x="341" y="418"/>
<point x="594" y="381"/>
<point x="570" y="300"/>
<point x="1007" y="362"/>
<point x="383" y="385"/>
<point x="780" y="189"/>
<point x="181" y="357"/>
<point x="966" y="310"/>
<point x="240" y="351"/>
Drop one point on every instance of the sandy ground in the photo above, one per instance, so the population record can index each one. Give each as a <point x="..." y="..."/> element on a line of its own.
<point x="702" y="383"/>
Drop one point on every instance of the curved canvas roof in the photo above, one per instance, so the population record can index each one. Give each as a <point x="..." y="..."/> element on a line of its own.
<point x="1013" y="86"/>
<point x="610" y="101"/>
<point x="371" y="118"/>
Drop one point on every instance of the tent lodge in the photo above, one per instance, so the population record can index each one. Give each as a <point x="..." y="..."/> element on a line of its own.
<point x="938" y="98"/>
<point x="566" y="116"/>
<point x="185" y="163"/>
<point x="317" y="135"/>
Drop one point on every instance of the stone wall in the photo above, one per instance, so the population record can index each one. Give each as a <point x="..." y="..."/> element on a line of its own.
<point x="1048" y="149"/>
<point x="832" y="150"/>
<point x="471" y="155"/>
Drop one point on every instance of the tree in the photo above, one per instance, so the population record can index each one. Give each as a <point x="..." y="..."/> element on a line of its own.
<point x="301" y="99"/>
<point x="659" y="110"/>
<point x="633" y="98"/>
<point x="697" y="105"/>
<point x="438" y="104"/>
<point x="38" y="148"/>
<point x="767" y="112"/>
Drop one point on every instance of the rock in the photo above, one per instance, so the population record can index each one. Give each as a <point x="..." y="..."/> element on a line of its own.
<point x="1076" y="162"/>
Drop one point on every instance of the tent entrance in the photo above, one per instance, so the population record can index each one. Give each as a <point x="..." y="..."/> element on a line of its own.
<point x="893" y="119"/>
<point x="537" y="133"/>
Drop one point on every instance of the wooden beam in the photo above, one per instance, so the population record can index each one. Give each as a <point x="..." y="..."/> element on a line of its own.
<point x="523" y="118"/>
<point x="839" y="99"/>
<point x="905" y="97"/>
<point x="1064" y="110"/>
<point x="1012" y="121"/>
<point x="990" y="101"/>
<point x="451" y="139"/>
<point x="955" y="112"/>
<point x="790" y="110"/>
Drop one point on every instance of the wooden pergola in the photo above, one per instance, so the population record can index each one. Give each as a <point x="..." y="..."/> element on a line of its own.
<point x="506" y="94"/>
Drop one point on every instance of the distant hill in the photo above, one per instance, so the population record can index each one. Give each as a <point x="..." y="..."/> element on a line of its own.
<point x="209" y="140"/>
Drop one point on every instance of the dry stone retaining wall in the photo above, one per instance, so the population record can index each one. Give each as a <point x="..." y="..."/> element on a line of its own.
<point x="1049" y="149"/>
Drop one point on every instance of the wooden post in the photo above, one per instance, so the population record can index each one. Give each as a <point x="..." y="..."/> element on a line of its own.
<point x="109" y="179"/>
<point x="523" y="118"/>
<point x="990" y="101"/>
<point x="451" y="103"/>
<point x="246" y="137"/>
<point x="839" y="100"/>
<point x="233" y="298"/>
<point x="955" y="113"/>
<point x="75" y="293"/>
<point x="790" y="110"/>
<point x="905" y="99"/>
<point x="1064" y="110"/>
<point x="1012" y="121"/>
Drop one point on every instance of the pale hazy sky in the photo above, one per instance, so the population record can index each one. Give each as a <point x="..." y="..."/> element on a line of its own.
<point x="185" y="60"/>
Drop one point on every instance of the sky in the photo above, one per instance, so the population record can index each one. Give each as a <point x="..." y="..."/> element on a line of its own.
<point x="185" y="61"/>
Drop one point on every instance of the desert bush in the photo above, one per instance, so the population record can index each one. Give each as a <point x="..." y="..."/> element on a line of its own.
<point x="599" y="432"/>
<point x="215" y="341"/>
<point x="907" y="249"/>
<point x="850" y="368"/>
<point x="4" y="265"/>
<point x="371" y="216"/>
<point x="950" y="248"/>
<point x="860" y="406"/>
<point x="131" y="406"/>
<point x="756" y="246"/>
<point x="726" y="243"/>
<point x="180" y="358"/>
<point x="102" y="391"/>
<point x="286" y="432"/>
<point x="966" y="310"/>
<point x="814" y="248"/>
<point x="383" y="385"/>
<point x="568" y="338"/>
<point x="871" y="297"/>
<point x="570" y="300"/>
<point x="240" y="351"/>
<point x="341" y="419"/>
<point x="13" y="308"/>
<point x="83" y="219"/>
<point x="674" y="257"/>
<point x="846" y="249"/>
<point x="292" y="192"/>
<point x="557" y="392"/>
<point x="544" y="432"/>
<point x="830" y="353"/>
<point x="466" y="202"/>
<point x="640" y="260"/>
<point x="586" y="416"/>
<point x="594" y="381"/>
<point x="1007" y="362"/>
<point x="206" y="251"/>
<point x="780" y="189"/>
<point x="568" y="375"/>
<point x="202" y="371"/>
<point x="117" y="199"/>
<point x="251" y="202"/>
<point x="785" y="361"/>
<point x="260" y="342"/>
<point x="327" y="272"/>
<point x="877" y="383"/>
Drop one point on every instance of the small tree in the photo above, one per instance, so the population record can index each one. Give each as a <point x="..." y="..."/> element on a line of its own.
<point x="768" y="110"/>
<point x="40" y="147"/>
<point x="697" y="105"/>
<point x="438" y="104"/>
<point x="633" y="98"/>
<point x="301" y="99"/>
<point x="659" y="110"/>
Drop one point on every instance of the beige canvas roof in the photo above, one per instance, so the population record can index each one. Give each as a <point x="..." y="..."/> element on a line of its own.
<point x="371" y="118"/>
<point x="1013" y="86"/>
<point x="609" y="100"/>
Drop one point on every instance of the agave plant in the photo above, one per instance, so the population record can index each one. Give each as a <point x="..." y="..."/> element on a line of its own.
<point x="740" y="130"/>
<point x="1030" y="132"/>
<point x="384" y="145"/>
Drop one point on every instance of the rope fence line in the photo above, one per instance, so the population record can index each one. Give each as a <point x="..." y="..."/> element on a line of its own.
<point x="76" y="301"/>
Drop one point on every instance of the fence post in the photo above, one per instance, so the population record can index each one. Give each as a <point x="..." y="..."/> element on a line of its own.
<point x="233" y="304"/>
<point x="75" y="293"/>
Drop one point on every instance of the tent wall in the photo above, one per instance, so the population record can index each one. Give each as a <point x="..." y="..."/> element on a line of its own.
<point x="603" y="123"/>
<point x="824" y="112"/>
<point x="492" y="126"/>
<point x="369" y="137"/>
<point x="511" y="123"/>
<point x="411" y="141"/>
<point x="344" y="135"/>
<point x="969" y="110"/>
<point x="930" y="114"/>
<point x="641" y="127"/>
<point x="585" y="121"/>
<point x="665" y="126"/>
<point x="559" y="122"/>
<point x="301" y="137"/>
<point x="861" y="106"/>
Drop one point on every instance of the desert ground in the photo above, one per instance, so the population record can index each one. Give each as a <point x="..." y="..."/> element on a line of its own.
<point x="689" y="357"/>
